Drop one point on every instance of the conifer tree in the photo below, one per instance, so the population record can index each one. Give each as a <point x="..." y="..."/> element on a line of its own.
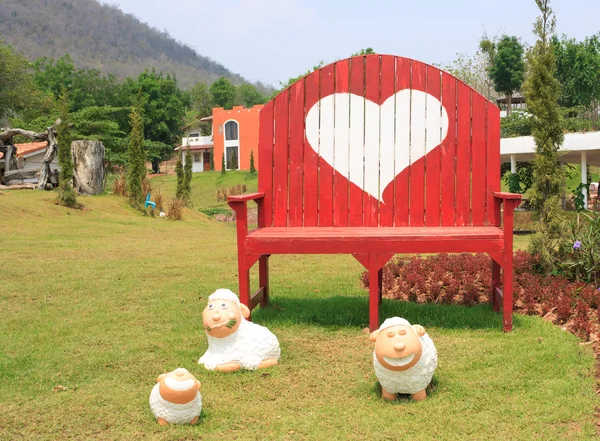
<point x="233" y="165"/>
<point x="136" y="170"/>
<point x="252" y="167"/>
<point x="542" y="92"/>
<point x="179" y="173"/>
<point x="66" y="192"/>
<point x="212" y="160"/>
<point x="187" y="175"/>
<point x="223" y="164"/>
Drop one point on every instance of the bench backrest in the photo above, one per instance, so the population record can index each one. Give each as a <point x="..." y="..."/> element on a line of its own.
<point x="379" y="140"/>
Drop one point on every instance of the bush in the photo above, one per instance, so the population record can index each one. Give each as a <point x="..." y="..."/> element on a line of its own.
<point x="465" y="279"/>
<point x="222" y="193"/>
<point x="120" y="185"/>
<point x="159" y="199"/>
<point x="175" y="209"/>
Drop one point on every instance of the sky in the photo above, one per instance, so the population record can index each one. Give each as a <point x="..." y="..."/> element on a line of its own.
<point x="273" y="40"/>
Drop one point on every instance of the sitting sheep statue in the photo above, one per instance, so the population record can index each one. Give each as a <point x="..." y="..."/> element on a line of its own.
<point x="176" y="399"/>
<point x="233" y="342"/>
<point x="404" y="359"/>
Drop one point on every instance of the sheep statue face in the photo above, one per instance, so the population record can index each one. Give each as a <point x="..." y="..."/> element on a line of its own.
<point x="404" y="358"/>
<point x="234" y="342"/>
<point x="176" y="399"/>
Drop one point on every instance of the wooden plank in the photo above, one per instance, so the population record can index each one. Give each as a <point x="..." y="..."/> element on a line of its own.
<point x="433" y="195"/>
<point x="265" y="164"/>
<point x="371" y="152"/>
<point x="463" y="163"/>
<point x="493" y="161"/>
<point x="357" y="118"/>
<point x="417" y="147"/>
<point x="280" y="160"/>
<point x="325" y="169"/>
<point x="311" y="164"/>
<point x="387" y="146"/>
<point x="449" y="151"/>
<point x="402" y="136"/>
<point x="478" y="163"/>
<point x="295" y="209"/>
<point x="341" y="138"/>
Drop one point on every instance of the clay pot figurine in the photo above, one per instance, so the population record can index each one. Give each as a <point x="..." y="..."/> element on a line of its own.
<point x="404" y="359"/>
<point x="176" y="399"/>
<point x="233" y="342"/>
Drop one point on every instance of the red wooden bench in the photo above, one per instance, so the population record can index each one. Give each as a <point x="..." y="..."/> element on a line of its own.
<point x="372" y="156"/>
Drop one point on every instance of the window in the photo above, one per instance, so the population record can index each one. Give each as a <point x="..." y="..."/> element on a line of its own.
<point x="231" y="131"/>
<point x="232" y="145"/>
<point x="196" y="157"/>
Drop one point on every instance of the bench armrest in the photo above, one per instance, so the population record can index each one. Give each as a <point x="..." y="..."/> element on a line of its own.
<point x="507" y="196"/>
<point x="245" y="197"/>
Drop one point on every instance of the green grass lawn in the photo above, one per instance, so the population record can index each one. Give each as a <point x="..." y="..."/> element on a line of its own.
<point x="102" y="301"/>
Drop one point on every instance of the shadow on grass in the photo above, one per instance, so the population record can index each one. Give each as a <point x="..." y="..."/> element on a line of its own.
<point x="340" y="311"/>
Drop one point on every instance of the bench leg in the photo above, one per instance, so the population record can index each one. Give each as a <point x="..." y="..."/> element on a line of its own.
<point x="495" y="283"/>
<point x="374" y="296"/>
<point x="263" y="279"/>
<point x="508" y="290"/>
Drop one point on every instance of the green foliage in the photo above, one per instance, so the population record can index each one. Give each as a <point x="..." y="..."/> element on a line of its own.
<point x="202" y="101"/>
<point x="518" y="123"/>
<point x="223" y="164"/>
<point x="187" y="176"/>
<point x="367" y="51"/>
<point x="136" y="170"/>
<point x="248" y="95"/>
<point x="578" y="70"/>
<point x="542" y="93"/>
<point x="233" y="163"/>
<point x="524" y="176"/>
<point x="514" y="186"/>
<point x="66" y="192"/>
<point x="223" y="93"/>
<point x="212" y="159"/>
<point x="179" y="172"/>
<point x="17" y="88"/>
<point x="577" y="254"/>
<point x="252" y="167"/>
<point x="164" y="107"/>
<point x="473" y="71"/>
<point x="508" y="67"/>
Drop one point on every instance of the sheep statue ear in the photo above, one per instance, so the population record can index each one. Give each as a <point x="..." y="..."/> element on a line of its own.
<point x="245" y="310"/>
<point x="374" y="335"/>
<point x="420" y="330"/>
<point x="160" y="377"/>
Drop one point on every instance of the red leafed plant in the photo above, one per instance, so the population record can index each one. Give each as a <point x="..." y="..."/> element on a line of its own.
<point x="465" y="279"/>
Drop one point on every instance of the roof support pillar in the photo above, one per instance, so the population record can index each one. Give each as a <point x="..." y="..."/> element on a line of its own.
<point x="513" y="163"/>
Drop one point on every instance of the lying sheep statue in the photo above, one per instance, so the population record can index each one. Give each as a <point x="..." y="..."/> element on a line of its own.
<point x="404" y="359"/>
<point x="176" y="399"/>
<point x="233" y="342"/>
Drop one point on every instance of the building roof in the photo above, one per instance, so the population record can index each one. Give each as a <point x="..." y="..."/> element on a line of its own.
<point x="28" y="148"/>
<point x="195" y="147"/>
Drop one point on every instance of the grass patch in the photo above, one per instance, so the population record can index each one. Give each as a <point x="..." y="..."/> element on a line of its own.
<point x="115" y="299"/>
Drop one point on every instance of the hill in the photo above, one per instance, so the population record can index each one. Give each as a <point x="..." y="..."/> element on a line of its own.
<point x="102" y="37"/>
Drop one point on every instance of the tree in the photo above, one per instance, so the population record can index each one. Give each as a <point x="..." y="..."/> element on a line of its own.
<point x="202" y="105"/>
<point x="367" y="51"/>
<point x="212" y="159"/>
<point x="233" y="164"/>
<point x="473" y="70"/>
<point x="17" y="88"/>
<point x="223" y="164"/>
<point x="578" y="70"/>
<point x="542" y="91"/>
<point x="136" y="170"/>
<point x="164" y="106"/>
<point x="252" y="167"/>
<point x="179" y="172"/>
<point x="508" y="68"/>
<point x="187" y="175"/>
<point x="66" y="192"/>
<point x="248" y="95"/>
<point x="223" y="93"/>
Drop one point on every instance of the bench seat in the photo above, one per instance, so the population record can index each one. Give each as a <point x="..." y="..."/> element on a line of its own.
<point x="359" y="240"/>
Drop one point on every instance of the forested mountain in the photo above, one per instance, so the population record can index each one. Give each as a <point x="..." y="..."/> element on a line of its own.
<point x="102" y="37"/>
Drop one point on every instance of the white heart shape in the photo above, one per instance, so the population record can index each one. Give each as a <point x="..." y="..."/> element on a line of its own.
<point x="372" y="144"/>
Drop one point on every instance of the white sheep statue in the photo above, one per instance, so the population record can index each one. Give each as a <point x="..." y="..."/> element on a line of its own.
<point x="233" y="342"/>
<point x="404" y="359"/>
<point x="176" y="399"/>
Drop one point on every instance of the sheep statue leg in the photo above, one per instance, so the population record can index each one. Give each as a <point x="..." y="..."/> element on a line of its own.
<point x="387" y="395"/>
<point x="268" y="362"/>
<point x="194" y="420"/>
<point x="162" y="422"/>
<point x="228" y="367"/>
<point x="419" y="396"/>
